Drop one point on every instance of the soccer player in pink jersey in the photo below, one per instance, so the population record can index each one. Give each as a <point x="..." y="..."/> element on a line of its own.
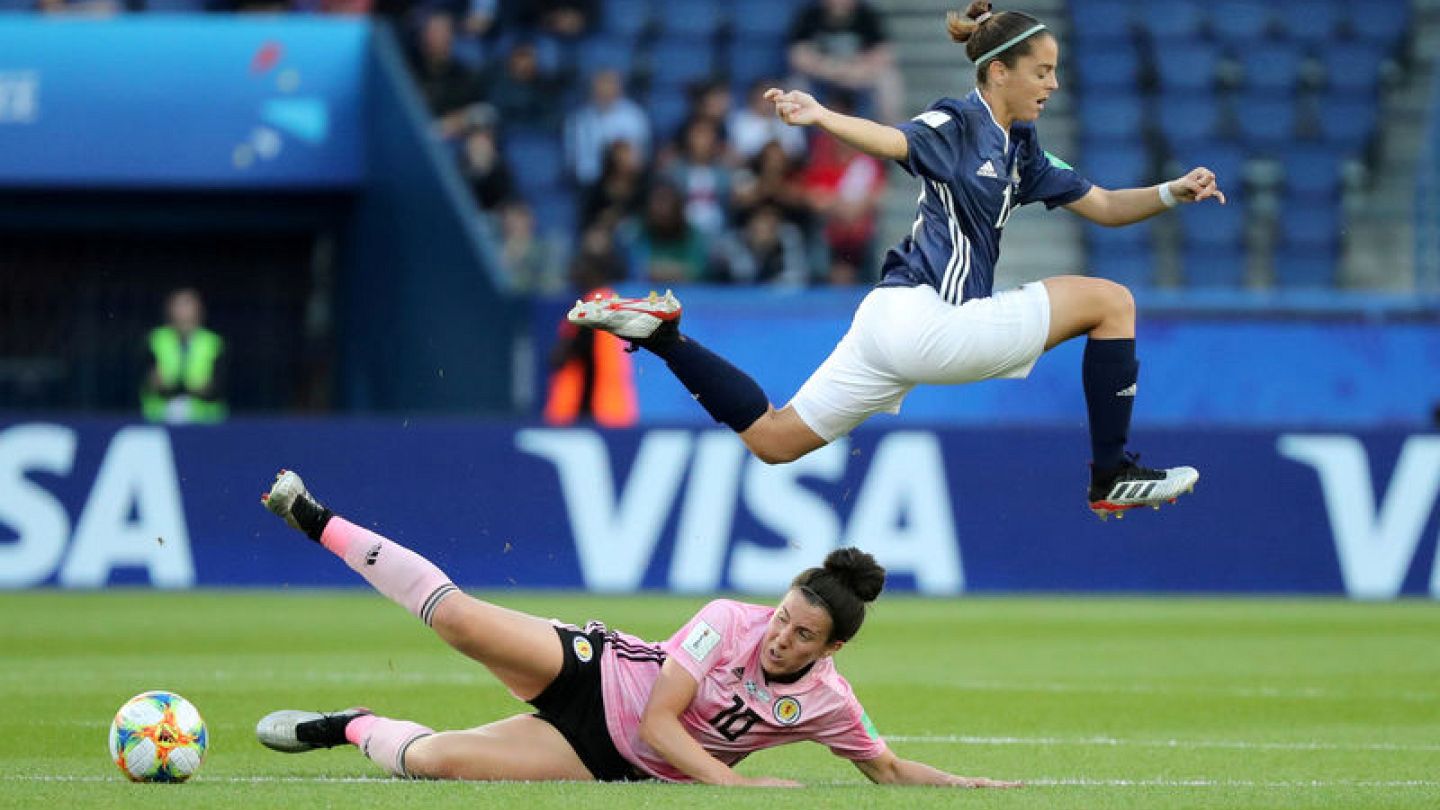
<point x="736" y="678"/>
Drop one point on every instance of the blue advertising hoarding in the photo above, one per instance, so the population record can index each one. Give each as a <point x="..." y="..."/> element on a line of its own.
<point x="172" y="101"/>
<point x="95" y="503"/>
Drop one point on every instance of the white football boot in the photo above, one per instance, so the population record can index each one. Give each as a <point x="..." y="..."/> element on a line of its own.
<point x="629" y="318"/>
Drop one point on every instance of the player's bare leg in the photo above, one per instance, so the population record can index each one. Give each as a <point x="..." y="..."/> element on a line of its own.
<point x="781" y="436"/>
<point x="522" y="748"/>
<point x="1105" y="312"/>
<point x="523" y="651"/>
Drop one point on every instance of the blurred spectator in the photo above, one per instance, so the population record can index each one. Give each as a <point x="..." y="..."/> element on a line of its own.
<point x="480" y="161"/>
<point x="840" y="44"/>
<point x="770" y="179"/>
<point x="447" y="86"/>
<point x="756" y="124"/>
<point x="591" y="377"/>
<point x="767" y="250"/>
<point x="522" y="94"/>
<point x="530" y="261"/>
<point x="564" y="18"/>
<point x="608" y="117"/>
<point x="702" y="176"/>
<point x="711" y="101"/>
<point x="479" y="17"/>
<point x="844" y="187"/>
<point x="185" y="380"/>
<point x="667" y="247"/>
<point x="618" y="194"/>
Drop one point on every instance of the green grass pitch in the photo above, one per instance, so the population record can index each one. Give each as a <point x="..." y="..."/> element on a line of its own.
<point x="1095" y="703"/>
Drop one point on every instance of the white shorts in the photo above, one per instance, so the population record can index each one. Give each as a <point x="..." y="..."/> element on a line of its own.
<point x="904" y="336"/>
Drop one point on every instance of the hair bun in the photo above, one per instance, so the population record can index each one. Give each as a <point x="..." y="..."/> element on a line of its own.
<point x="962" y="26"/>
<point x="857" y="571"/>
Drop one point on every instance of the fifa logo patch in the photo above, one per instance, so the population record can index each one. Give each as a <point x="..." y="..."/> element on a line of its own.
<point x="583" y="650"/>
<point x="787" y="711"/>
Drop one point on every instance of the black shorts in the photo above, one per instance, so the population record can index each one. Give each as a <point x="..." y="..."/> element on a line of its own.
<point x="574" y="704"/>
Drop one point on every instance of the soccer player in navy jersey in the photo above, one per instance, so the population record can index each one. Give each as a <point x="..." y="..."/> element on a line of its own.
<point x="934" y="317"/>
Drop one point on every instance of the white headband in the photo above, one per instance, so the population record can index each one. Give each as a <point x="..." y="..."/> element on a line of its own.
<point x="983" y="17"/>
<point x="994" y="52"/>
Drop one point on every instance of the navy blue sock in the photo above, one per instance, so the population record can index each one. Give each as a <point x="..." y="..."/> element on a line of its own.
<point x="1110" y="371"/>
<point x="728" y="394"/>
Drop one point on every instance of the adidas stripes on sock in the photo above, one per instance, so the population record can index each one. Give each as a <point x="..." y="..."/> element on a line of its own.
<point x="408" y="579"/>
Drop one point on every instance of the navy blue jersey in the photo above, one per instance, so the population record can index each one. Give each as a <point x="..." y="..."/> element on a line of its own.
<point x="974" y="174"/>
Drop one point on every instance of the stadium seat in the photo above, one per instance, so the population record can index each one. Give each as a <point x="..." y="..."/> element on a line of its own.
<point x="1135" y="268"/>
<point x="1348" y="122"/>
<point x="1188" y="118"/>
<point x="1274" y="66"/>
<point x="627" y="18"/>
<point x="1266" y="122"/>
<point x="536" y="160"/>
<point x="1101" y="239"/>
<point x="1309" y="21"/>
<point x="1103" y="21"/>
<point x="1300" y="270"/>
<point x="600" y="52"/>
<point x="1212" y="225"/>
<point x="1352" y="66"/>
<point x="1115" y="164"/>
<point x="1207" y="267"/>
<point x="468" y="51"/>
<point x="1382" y="22"/>
<point x="555" y="214"/>
<point x="1112" y="115"/>
<point x="681" y="61"/>
<point x="1310" y="227"/>
<point x="1312" y="172"/>
<point x="1241" y="21"/>
<point x="697" y="19"/>
<point x="1226" y="160"/>
<point x="1186" y="65"/>
<point x="1108" y="66"/>
<point x="161" y="6"/>
<point x="1173" y="19"/>
<point x="750" y="59"/>
<point x="668" y="107"/>
<point x="758" y="19"/>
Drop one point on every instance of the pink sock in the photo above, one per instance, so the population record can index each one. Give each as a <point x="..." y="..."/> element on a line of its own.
<point x="408" y="579"/>
<point x="384" y="740"/>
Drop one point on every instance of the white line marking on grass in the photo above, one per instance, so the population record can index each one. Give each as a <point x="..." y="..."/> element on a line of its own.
<point x="1037" y="782"/>
<point x="1285" y="784"/>
<point x="1296" y="693"/>
<point x="1241" y="745"/>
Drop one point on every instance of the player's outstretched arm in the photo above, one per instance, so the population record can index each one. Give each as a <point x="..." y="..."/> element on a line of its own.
<point x="802" y="110"/>
<point x="661" y="729"/>
<point x="1124" y="206"/>
<point x="889" y="769"/>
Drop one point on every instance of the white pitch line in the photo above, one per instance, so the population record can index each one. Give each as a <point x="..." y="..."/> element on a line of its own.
<point x="1077" y="781"/>
<point x="1116" y="742"/>
<point x="1288" y="693"/>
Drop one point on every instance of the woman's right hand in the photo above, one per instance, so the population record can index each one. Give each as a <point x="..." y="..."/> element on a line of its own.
<point x="795" y="107"/>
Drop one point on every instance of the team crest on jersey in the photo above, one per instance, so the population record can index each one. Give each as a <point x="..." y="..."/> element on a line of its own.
<point x="583" y="649"/>
<point x="787" y="711"/>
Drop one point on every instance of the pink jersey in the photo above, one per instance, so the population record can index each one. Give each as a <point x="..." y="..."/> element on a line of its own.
<point x="735" y="711"/>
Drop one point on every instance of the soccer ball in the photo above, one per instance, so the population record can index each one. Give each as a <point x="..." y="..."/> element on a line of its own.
<point x="158" y="737"/>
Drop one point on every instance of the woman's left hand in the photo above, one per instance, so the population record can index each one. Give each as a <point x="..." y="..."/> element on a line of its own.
<point x="1198" y="184"/>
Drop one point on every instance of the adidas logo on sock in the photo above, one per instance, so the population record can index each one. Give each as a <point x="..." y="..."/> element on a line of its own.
<point x="1127" y="392"/>
<point x="372" y="555"/>
<point x="987" y="169"/>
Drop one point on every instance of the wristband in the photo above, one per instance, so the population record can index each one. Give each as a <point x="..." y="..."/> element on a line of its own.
<point x="1167" y="198"/>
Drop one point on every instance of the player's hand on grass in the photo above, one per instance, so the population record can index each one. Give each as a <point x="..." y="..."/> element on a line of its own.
<point x="795" y="107"/>
<point x="1197" y="184"/>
